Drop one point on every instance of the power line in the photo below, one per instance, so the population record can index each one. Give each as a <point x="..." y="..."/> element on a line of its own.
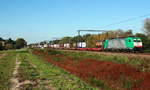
<point x="130" y="19"/>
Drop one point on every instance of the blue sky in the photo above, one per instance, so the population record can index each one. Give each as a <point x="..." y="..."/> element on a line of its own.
<point x="38" y="20"/>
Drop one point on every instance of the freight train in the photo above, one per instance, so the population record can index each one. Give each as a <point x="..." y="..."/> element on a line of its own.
<point x="121" y="44"/>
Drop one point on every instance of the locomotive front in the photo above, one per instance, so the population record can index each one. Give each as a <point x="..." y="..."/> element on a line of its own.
<point x="137" y="42"/>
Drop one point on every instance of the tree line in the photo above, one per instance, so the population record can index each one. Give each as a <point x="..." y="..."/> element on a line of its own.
<point x="6" y="44"/>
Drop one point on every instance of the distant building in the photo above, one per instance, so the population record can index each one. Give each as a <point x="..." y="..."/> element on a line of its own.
<point x="3" y="43"/>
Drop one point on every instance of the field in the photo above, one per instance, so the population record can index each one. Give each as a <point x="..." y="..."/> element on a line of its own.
<point x="36" y="69"/>
<point x="102" y="71"/>
<point x="21" y="70"/>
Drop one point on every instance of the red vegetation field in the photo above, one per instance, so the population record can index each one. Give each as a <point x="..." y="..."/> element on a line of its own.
<point x="115" y="75"/>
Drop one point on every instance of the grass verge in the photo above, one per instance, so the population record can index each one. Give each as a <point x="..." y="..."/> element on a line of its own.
<point x="6" y="68"/>
<point x="55" y="76"/>
<point x="28" y="75"/>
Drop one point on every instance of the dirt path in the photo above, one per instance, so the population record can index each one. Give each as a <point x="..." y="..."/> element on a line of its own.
<point x="19" y="85"/>
<point x="16" y="85"/>
<point x="14" y="79"/>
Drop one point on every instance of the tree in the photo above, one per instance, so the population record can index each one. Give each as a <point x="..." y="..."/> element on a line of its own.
<point x="1" y="46"/>
<point x="147" y="27"/>
<point x="128" y="33"/>
<point x="118" y="33"/>
<point x="1" y="39"/>
<point x="56" y="41"/>
<point x="90" y="41"/>
<point x="1" y="43"/>
<point x="10" y="41"/>
<point x="20" y="43"/>
<point x="84" y="37"/>
<point x="65" y="40"/>
<point x="78" y="38"/>
<point x="73" y="40"/>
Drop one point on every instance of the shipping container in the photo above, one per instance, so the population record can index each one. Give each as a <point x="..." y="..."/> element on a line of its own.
<point x="81" y="45"/>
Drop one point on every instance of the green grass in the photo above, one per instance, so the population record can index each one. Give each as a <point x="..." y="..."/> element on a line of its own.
<point x="99" y="83"/>
<point x="57" y="58"/>
<point x="127" y="82"/>
<point x="28" y="72"/>
<point x="56" y="76"/>
<point x="6" y="68"/>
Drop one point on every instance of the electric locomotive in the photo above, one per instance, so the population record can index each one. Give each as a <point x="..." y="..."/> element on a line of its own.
<point x="123" y="44"/>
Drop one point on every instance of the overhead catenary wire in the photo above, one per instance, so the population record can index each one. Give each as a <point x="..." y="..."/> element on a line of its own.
<point x="127" y="20"/>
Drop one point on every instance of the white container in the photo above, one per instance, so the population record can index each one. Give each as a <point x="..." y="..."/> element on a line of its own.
<point x="56" y="45"/>
<point x="66" y="45"/>
<point x="81" y="45"/>
<point x="45" y="45"/>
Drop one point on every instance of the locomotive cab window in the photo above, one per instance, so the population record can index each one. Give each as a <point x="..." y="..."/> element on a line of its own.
<point x="135" y="40"/>
<point x="138" y="40"/>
